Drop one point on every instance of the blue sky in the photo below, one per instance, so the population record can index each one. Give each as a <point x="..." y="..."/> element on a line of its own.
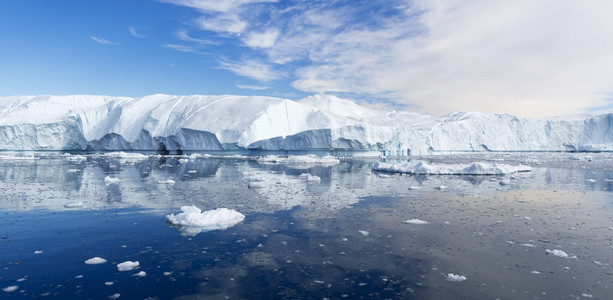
<point x="532" y="58"/>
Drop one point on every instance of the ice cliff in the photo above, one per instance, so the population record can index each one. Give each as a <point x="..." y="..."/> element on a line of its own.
<point x="249" y="122"/>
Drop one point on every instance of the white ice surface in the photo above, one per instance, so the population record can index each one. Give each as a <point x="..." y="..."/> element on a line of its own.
<point x="454" y="277"/>
<point x="476" y="168"/>
<point x="95" y="261"/>
<point x="192" y="216"/>
<point x="11" y="288"/>
<point x="556" y="253"/>
<point x="198" y="122"/>
<point x="128" y="265"/>
<point x="415" y="221"/>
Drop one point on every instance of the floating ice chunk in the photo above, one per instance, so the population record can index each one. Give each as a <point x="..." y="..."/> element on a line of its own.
<point x="193" y="220"/>
<point x="556" y="253"/>
<point x="440" y="187"/>
<point x="454" y="277"/>
<point x="413" y="188"/>
<point x="76" y="158"/>
<point x="504" y="182"/>
<point x="528" y="245"/>
<point x="74" y="204"/>
<point x="364" y="232"/>
<point x="114" y="296"/>
<point x="128" y="265"/>
<point x="110" y="180"/>
<point x="11" y="288"/>
<point x="95" y="261"/>
<point x="591" y="180"/>
<point x="300" y="160"/>
<point x="109" y="283"/>
<point x="140" y="274"/>
<point x="477" y="168"/>
<point x="128" y="156"/>
<point x="73" y="170"/>
<point x="167" y="181"/>
<point x="168" y="273"/>
<point x="535" y="272"/>
<point x="192" y="172"/>
<point x="586" y="295"/>
<point x="183" y="160"/>
<point x="310" y="177"/>
<point x="415" y="221"/>
<point x="38" y="252"/>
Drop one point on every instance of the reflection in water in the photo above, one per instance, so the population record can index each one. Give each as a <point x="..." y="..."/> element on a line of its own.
<point x="304" y="238"/>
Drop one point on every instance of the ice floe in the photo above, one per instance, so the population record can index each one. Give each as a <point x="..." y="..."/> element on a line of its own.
<point x="192" y="220"/>
<point x="415" y="221"/>
<point x="95" y="261"/>
<point x="556" y="253"/>
<point x="476" y="168"/>
<point x="11" y="288"/>
<point x="114" y="296"/>
<point x="364" y="232"/>
<point x="74" y="204"/>
<point x="108" y="180"/>
<point x="140" y="274"/>
<point x="167" y="182"/>
<point x="128" y="265"/>
<point x="454" y="277"/>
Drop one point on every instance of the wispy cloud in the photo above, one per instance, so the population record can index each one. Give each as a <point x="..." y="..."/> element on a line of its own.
<point x="181" y="48"/>
<point x="252" y="69"/>
<point x="134" y="33"/>
<point x="182" y="35"/>
<point x="533" y="58"/>
<point x="251" y="87"/>
<point x="102" y="41"/>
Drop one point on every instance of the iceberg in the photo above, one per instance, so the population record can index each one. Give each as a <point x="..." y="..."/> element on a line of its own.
<point x="423" y="168"/>
<point x="193" y="221"/>
<point x="323" y="122"/>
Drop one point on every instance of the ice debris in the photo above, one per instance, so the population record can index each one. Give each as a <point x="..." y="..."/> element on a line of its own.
<point x="74" y="204"/>
<point x="110" y="180"/>
<point x="556" y="253"/>
<point x="476" y="168"/>
<point x="192" y="216"/>
<point x="454" y="277"/>
<point x="11" y="288"/>
<point x="128" y="265"/>
<point x="415" y="221"/>
<point x="95" y="261"/>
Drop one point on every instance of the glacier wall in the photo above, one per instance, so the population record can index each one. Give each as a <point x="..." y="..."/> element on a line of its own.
<point x="196" y="122"/>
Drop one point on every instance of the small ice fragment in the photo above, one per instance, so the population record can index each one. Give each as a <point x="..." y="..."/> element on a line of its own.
<point x="192" y="171"/>
<point x="454" y="277"/>
<point x="21" y="279"/>
<point x="535" y="272"/>
<point x="11" y="288"/>
<point x="319" y="281"/>
<point x="415" y="221"/>
<point x="440" y="187"/>
<point x="167" y="181"/>
<point x="183" y="160"/>
<point x="38" y="252"/>
<point x="528" y="245"/>
<point x="504" y="182"/>
<point x="74" y="204"/>
<point x="114" y="296"/>
<point x="586" y="295"/>
<point x="128" y="265"/>
<point x="590" y="180"/>
<point x="108" y="180"/>
<point x="140" y="274"/>
<point x="109" y="283"/>
<point x="194" y="218"/>
<point x="598" y="263"/>
<point x="168" y="273"/>
<point x="556" y="253"/>
<point x="414" y="187"/>
<point x="364" y="232"/>
<point x="79" y="276"/>
<point x="527" y="218"/>
<point x="362" y="284"/>
<point x="95" y="261"/>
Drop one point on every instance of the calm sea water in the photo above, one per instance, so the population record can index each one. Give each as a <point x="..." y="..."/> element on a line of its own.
<point x="339" y="237"/>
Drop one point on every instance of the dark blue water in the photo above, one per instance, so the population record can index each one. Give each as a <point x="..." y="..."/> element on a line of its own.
<point x="341" y="237"/>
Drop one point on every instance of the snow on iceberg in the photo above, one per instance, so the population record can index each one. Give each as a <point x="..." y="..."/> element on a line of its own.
<point x="322" y="122"/>
<point x="193" y="221"/>
<point x="477" y="168"/>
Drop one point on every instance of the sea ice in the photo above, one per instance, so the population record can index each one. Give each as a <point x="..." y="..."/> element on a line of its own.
<point x="454" y="277"/>
<point x="38" y="252"/>
<point x="74" y="204"/>
<point x="310" y="177"/>
<point x="114" y="296"/>
<point x="95" y="261"/>
<point x="110" y="180"/>
<point x="192" y="216"/>
<point x="128" y="265"/>
<point x="364" y="232"/>
<point x="167" y="181"/>
<point x="556" y="253"/>
<point x="476" y="168"/>
<point x="140" y="274"/>
<point x="11" y="288"/>
<point x="415" y="221"/>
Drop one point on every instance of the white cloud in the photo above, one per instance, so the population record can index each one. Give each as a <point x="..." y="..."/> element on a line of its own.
<point x="265" y="39"/>
<point x="181" y="48"/>
<point x="532" y="58"/>
<point x="134" y="33"/>
<point x="252" y="69"/>
<point x="182" y="34"/>
<point x="102" y="41"/>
